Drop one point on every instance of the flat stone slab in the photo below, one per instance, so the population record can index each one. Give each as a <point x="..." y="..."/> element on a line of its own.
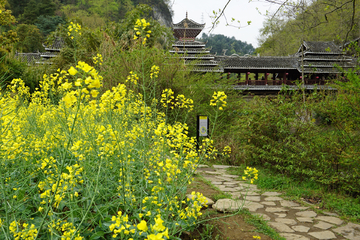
<point x="250" y="193"/>
<point x="212" y="172"/>
<point x="271" y="194"/>
<point x="212" y="179"/>
<point x="331" y="214"/>
<point x="268" y="203"/>
<point x="280" y="215"/>
<point x="286" y="221"/>
<point x="252" y="198"/>
<point x="202" y="166"/>
<point x="224" y="178"/>
<point x="305" y="219"/>
<point x="236" y="194"/>
<point x="227" y="205"/>
<point x="209" y="202"/>
<point x="333" y="220"/>
<point x="276" y="209"/>
<point x="217" y="182"/>
<point x="263" y="215"/>
<point x="301" y="228"/>
<point x="300" y="208"/>
<point x="230" y="176"/>
<point x="291" y="236"/>
<point x="274" y="199"/>
<point x="281" y="227"/>
<point x="221" y="166"/>
<point x="231" y="183"/>
<point x="308" y="214"/>
<point x="323" y="225"/>
<point x="323" y="235"/>
<point x="285" y="203"/>
<point x="252" y="206"/>
<point x="350" y="231"/>
<point x="230" y="189"/>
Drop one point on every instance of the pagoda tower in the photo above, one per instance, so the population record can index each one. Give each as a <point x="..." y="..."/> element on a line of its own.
<point x="193" y="52"/>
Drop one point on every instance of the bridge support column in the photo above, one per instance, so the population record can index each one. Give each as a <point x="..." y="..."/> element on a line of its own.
<point x="266" y="78"/>
<point x="284" y="78"/>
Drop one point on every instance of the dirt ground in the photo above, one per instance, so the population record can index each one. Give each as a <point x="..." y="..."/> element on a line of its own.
<point x="229" y="228"/>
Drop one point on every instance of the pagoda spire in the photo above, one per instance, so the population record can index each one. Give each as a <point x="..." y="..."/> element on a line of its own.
<point x="186" y="14"/>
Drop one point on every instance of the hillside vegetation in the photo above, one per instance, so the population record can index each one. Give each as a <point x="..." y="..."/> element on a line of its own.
<point x="319" y="20"/>
<point x="220" y="44"/>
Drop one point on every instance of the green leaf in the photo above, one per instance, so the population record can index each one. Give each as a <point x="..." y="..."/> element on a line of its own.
<point x="97" y="235"/>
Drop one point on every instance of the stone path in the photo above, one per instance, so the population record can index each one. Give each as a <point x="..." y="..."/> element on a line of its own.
<point x="290" y="219"/>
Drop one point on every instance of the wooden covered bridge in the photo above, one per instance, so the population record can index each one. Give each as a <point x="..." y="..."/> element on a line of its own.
<point x="316" y="62"/>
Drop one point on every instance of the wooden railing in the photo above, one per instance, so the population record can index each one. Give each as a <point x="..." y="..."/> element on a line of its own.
<point x="280" y="82"/>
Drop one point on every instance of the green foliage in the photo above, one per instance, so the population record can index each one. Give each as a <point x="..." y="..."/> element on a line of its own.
<point x="48" y="24"/>
<point x="17" y="6"/>
<point x="10" y="68"/>
<point x="284" y="135"/>
<point x="30" y="39"/>
<point x="282" y="34"/>
<point x="7" y="35"/>
<point x="218" y="43"/>
<point x="124" y="31"/>
<point x="79" y="46"/>
<point x="34" y="9"/>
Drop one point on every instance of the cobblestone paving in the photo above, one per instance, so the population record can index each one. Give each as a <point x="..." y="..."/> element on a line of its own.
<point x="290" y="219"/>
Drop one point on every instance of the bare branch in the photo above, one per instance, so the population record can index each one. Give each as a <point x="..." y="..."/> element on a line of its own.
<point x="222" y="12"/>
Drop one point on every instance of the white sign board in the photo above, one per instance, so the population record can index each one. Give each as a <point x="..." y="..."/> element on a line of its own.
<point x="203" y="126"/>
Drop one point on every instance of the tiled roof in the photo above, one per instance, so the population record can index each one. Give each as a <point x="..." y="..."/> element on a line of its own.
<point x="188" y="44"/>
<point x="235" y="62"/>
<point x="187" y="23"/>
<point x="320" y="47"/>
<point x="57" y="44"/>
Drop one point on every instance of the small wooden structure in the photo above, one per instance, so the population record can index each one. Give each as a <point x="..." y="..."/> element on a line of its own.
<point x="42" y="57"/>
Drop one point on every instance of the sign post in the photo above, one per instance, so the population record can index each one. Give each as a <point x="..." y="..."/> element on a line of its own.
<point x="202" y="127"/>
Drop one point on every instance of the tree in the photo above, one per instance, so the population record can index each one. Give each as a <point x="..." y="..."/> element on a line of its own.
<point x="283" y="33"/>
<point x="7" y="35"/>
<point x="48" y="24"/>
<point x="36" y="8"/>
<point x="219" y="43"/>
<point x="30" y="38"/>
<point x="18" y="6"/>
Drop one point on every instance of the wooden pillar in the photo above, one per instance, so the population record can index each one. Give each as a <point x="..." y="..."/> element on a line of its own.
<point x="284" y="78"/>
<point x="247" y="78"/>
<point x="256" y="76"/>
<point x="239" y="78"/>
<point x="266" y="76"/>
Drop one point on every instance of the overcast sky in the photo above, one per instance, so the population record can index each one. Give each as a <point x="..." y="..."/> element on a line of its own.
<point x="243" y="10"/>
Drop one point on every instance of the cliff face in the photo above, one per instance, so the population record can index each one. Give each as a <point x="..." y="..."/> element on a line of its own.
<point x="161" y="11"/>
<point x="163" y="17"/>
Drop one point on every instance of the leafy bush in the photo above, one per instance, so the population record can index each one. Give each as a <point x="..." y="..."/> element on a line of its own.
<point x="284" y="135"/>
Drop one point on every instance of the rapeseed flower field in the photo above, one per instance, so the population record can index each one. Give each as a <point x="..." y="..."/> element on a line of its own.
<point x="77" y="164"/>
<point x="82" y="163"/>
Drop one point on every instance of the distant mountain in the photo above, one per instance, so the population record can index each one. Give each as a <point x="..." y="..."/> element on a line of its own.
<point x="220" y="44"/>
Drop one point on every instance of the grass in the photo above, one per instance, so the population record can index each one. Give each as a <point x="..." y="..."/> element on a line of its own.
<point x="260" y="224"/>
<point x="331" y="200"/>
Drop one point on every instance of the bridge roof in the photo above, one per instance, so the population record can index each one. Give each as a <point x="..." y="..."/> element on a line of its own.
<point x="319" y="47"/>
<point x="239" y="62"/>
